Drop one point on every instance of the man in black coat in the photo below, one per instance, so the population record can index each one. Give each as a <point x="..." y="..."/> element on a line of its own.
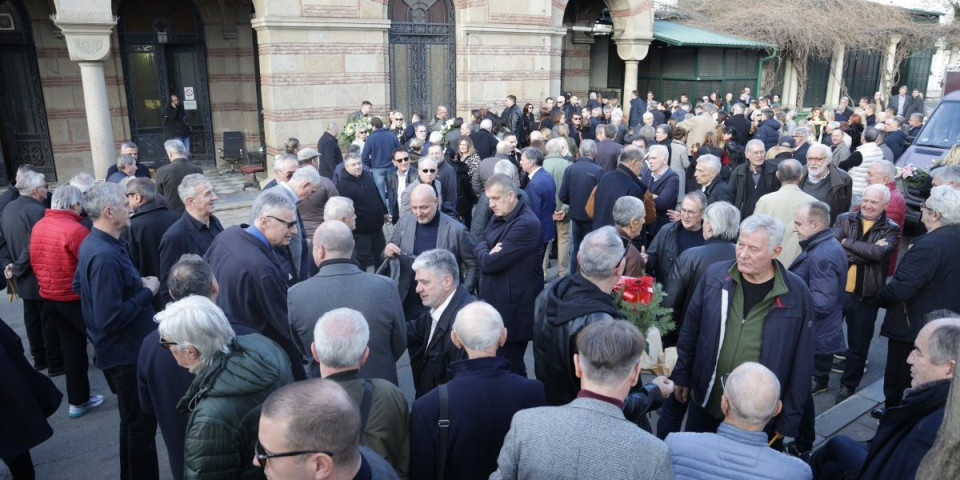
<point x="397" y="183"/>
<point x="925" y="281"/>
<point x="512" y="116"/>
<point x="194" y="231"/>
<point x="170" y="176"/>
<point x="738" y="121"/>
<point x="148" y="224"/>
<point x="896" y="139"/>
<point x="482" y="397"/>
<point x="330" y="155"/>
<point x="428" y="338"/>
<point x="254" y="277"/>
<point x="745" y="191"/>
<point x="16" y="222"/>
<point x="358" y="185"/>
<point x="578" y="183"/>
<point x="637" y="108"/>
<point x="509" y="254"/>
<point x="130" y="148"/>
<point x="707" y="175"/>
<point x="624" y="181"/>
<point x="484" y="142"/>
<point x="607" y="149"/>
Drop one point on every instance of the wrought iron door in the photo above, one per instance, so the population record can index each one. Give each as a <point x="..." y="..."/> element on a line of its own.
<point x="25" y="136"/>
<point x="163" y="53"/>
<point x="423" y="69"/>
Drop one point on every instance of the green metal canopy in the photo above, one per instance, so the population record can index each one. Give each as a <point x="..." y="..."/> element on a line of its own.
<point x="673" y="33"/>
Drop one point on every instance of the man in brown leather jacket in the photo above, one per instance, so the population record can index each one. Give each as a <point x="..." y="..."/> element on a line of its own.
<point x="869" y="238"/>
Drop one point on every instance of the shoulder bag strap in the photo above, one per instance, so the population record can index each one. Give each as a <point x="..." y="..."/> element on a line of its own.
<point x="444" y="425"/>
<point x="365" y="405"/>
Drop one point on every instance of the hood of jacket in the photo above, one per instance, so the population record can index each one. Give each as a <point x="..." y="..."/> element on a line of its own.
<point x="575" y="296"/>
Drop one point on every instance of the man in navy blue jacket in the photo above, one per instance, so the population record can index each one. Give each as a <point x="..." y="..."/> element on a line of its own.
<point x="118" y="313"/>
<point x="542" y="192"/>
<point x="482" y="397"/>
<point x="748" y="310"/>
<point x="511" y="274"/>
<point x="578" y="183"/>
<point x="377" y="155"/>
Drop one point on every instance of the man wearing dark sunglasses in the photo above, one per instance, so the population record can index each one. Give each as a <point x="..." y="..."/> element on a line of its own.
<point x="311" y="430"/>
<point x="398" y="182"/>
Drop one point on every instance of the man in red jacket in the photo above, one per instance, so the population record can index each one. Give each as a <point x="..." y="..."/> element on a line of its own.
<point x="54" y="245"/>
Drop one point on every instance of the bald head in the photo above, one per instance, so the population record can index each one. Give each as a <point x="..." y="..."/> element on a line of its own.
<point x="424" y="203"/>
<point x="752" y="394"/>
<point x="335" y="240"/>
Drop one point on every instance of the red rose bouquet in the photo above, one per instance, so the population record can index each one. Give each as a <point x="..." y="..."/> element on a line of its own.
<point x="639" y="301"/>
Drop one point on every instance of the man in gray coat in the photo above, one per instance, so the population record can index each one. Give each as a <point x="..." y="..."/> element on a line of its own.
<point x="425" y="228"/>
<point x="341" y="284"/>
<point x="589" y="437"/>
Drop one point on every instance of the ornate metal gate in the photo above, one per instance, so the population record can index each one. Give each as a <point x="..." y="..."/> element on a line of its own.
<point x="23" y="116"/>
<point x="163" y="53"/>
<point x="423" y="68"/>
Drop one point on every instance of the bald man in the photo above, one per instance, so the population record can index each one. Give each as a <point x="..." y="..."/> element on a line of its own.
<point x="425" y="228"/>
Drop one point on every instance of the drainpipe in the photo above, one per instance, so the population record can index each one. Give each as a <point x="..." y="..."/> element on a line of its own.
<point x="760" y="71"/>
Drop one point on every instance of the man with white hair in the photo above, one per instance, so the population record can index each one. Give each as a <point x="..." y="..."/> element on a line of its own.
<point x="825" y="182"/>
<point x="340" y="350"/>
<point x="707" y="175"/>
<point x="447" y="176"/>
<point x="478" y="402"/>
<point x="753" y="179"/>
<point x="484" y="142"/>
<point x="663" y="183"/>
<point x="883" y="172"/>
<point x="330" y="154"/>
<point x="946" y="175"/>
<point x="751" y="398"/>
<point x="253" y="277"/>
<point x="925" y="281"/>
<point x="340" y="208"/>
<point x="169" y="176"/>
<point x="284" y="166"/>
<point x="555" y="164"/>
<point x="575" y="188"/>
<point x="430" y="345"/>
<point x="748" y="310"/>
<point x="196" y="228"/>
<point x="784" y="203"/>
<point x="300" y="187"/>
<point x="439" y="120"/>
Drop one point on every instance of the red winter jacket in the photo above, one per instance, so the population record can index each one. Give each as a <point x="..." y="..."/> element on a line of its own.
<point x="54" y="244"/>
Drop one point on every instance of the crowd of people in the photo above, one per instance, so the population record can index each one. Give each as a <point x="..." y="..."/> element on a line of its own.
<point x="270" y="348"/>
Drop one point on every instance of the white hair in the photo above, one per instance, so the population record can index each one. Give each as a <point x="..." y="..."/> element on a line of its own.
<point x="724" y="219"/>
<point x="486" y="124"/>
<point x="340" y="337"/>
<point x="773" y="227"/>
<point x="946" y="200"/>
<point x="478" y="326"/>
<point x="305" y="174"/>
<point x="196" y="321"/>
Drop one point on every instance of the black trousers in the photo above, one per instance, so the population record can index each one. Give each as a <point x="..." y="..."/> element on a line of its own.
<point x="513" y="352"/>
<point x="861" y="317"/>
<point x="896" y="377"/>
<point x="369" y="248"/>
<point x="138" y="429"/>
<point x="43" y="337"/>
<point x="21" y="466"/>
<point x="68" y="320"/>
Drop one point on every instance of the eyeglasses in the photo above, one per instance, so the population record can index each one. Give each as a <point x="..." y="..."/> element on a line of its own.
<point x="290" y="224"/>
<point x="429" y="170"/>
<point x="816" y="158"/>
<point x="723" y="381"/>
<point x="287" y="175"/>
<point x="402" y="160"/>
<point x="686" y="211"/>
<point x="263" y="455"/>
<point x="167" y="344"/>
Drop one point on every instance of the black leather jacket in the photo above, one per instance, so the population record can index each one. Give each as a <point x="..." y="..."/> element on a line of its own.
<point x="871" y="259"/>
<point x="687" y="271"/>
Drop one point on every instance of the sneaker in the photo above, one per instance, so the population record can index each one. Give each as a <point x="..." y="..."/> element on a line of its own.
<point x="817" y="387"/>
<point x="792" y="449"/>
<point x="844" y="393"/>
<point x="839" y="356"/>
<point x="77" y="411"/>
<point x="838" y="365"/>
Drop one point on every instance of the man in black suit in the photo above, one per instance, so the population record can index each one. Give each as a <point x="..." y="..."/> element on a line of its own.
<point x="896" y="139"/>
<point x="396" y="184"/>
<point x="149" y="222"/>
<point x="194" y="231"/>
<point x="484" y="142"/>
<point x="130" y="148"/>
<point x="170" y="176"/>
<point x="607" y="149"/>
<point x="914" y="124"/>
<point x="429" y="342"/>
<point x="707" y="174"/>
<point x="330" y="154"/>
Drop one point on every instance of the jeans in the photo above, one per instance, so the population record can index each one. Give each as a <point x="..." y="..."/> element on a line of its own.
<point x="839" y="456"/>
<point x="380" y="176"/>
<point x="513" y="352"/>
<point x="821" y="368"/>
<point x="671" y="417"/>
<point x="861" y="316"/>
<point x="578" y="230"/>
<point x="138" y="429"/>
<point x="42" y="336"/>
<point x="186" y="142"/>
<point x="68" y="319"/>
<point x="896" y="377"/>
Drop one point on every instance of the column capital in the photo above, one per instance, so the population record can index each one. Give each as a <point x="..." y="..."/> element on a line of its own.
<point x="87" y="41"/>
<point x="632" y="49"/>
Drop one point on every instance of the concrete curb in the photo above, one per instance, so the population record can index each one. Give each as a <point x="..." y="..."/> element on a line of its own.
<point x="847" y="412"/>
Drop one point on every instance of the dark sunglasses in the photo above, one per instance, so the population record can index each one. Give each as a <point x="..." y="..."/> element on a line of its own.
<point x="402" y="160"/>
<point x="429" y="170"/>
<point x="290" y="224"/>
<point x="262" y="454"/>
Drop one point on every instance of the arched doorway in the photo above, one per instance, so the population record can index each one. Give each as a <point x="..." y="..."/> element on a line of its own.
<point x="23" y="117"/>
<point x="163" y="52"/>
<point x="423" y="68"/>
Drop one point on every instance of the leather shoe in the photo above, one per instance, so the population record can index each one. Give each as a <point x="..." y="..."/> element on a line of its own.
<point x="878" y="412"/>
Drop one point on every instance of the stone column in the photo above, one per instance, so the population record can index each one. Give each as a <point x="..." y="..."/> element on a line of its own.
<point x="954" y="55"/>
<point x="886" y="76"/>
<point x="88" y="43"/>
<point x="631" y="51"/>
<point x="835" y="80"/>
<point x="790" y="89"/>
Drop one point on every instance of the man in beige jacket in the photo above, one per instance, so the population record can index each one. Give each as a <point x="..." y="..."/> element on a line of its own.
<point x="784" y="203"/>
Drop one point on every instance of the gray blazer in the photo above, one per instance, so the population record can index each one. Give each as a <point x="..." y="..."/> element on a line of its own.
<point x="451" y="235"/>
<point x="341" y="284"/>
<point x="586" y="438"/>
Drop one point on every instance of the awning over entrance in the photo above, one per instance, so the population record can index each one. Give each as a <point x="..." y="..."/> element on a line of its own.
<point x="673" y="33"/>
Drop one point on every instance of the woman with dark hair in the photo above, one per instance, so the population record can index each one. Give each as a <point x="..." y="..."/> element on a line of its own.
<point x="526" y="120"/>
<point x="732" y="153"/>
<point x="465" y="163"/>
<point x="854" y="128"/>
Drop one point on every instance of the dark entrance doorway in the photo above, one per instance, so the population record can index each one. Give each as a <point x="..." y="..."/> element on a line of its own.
<point x="163" y="54"/>
<point x="423" y="68"/>
<point x="25" y="137"/>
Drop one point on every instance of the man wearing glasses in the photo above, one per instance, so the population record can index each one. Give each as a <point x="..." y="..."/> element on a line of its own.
<point x="827" y="183"/>
<point x="284" y="166"/>
<point x="753" y="179"/>
<point x="311" y="430"/>
<point x="397" y="183"/>
<point x="254" y="277"/>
